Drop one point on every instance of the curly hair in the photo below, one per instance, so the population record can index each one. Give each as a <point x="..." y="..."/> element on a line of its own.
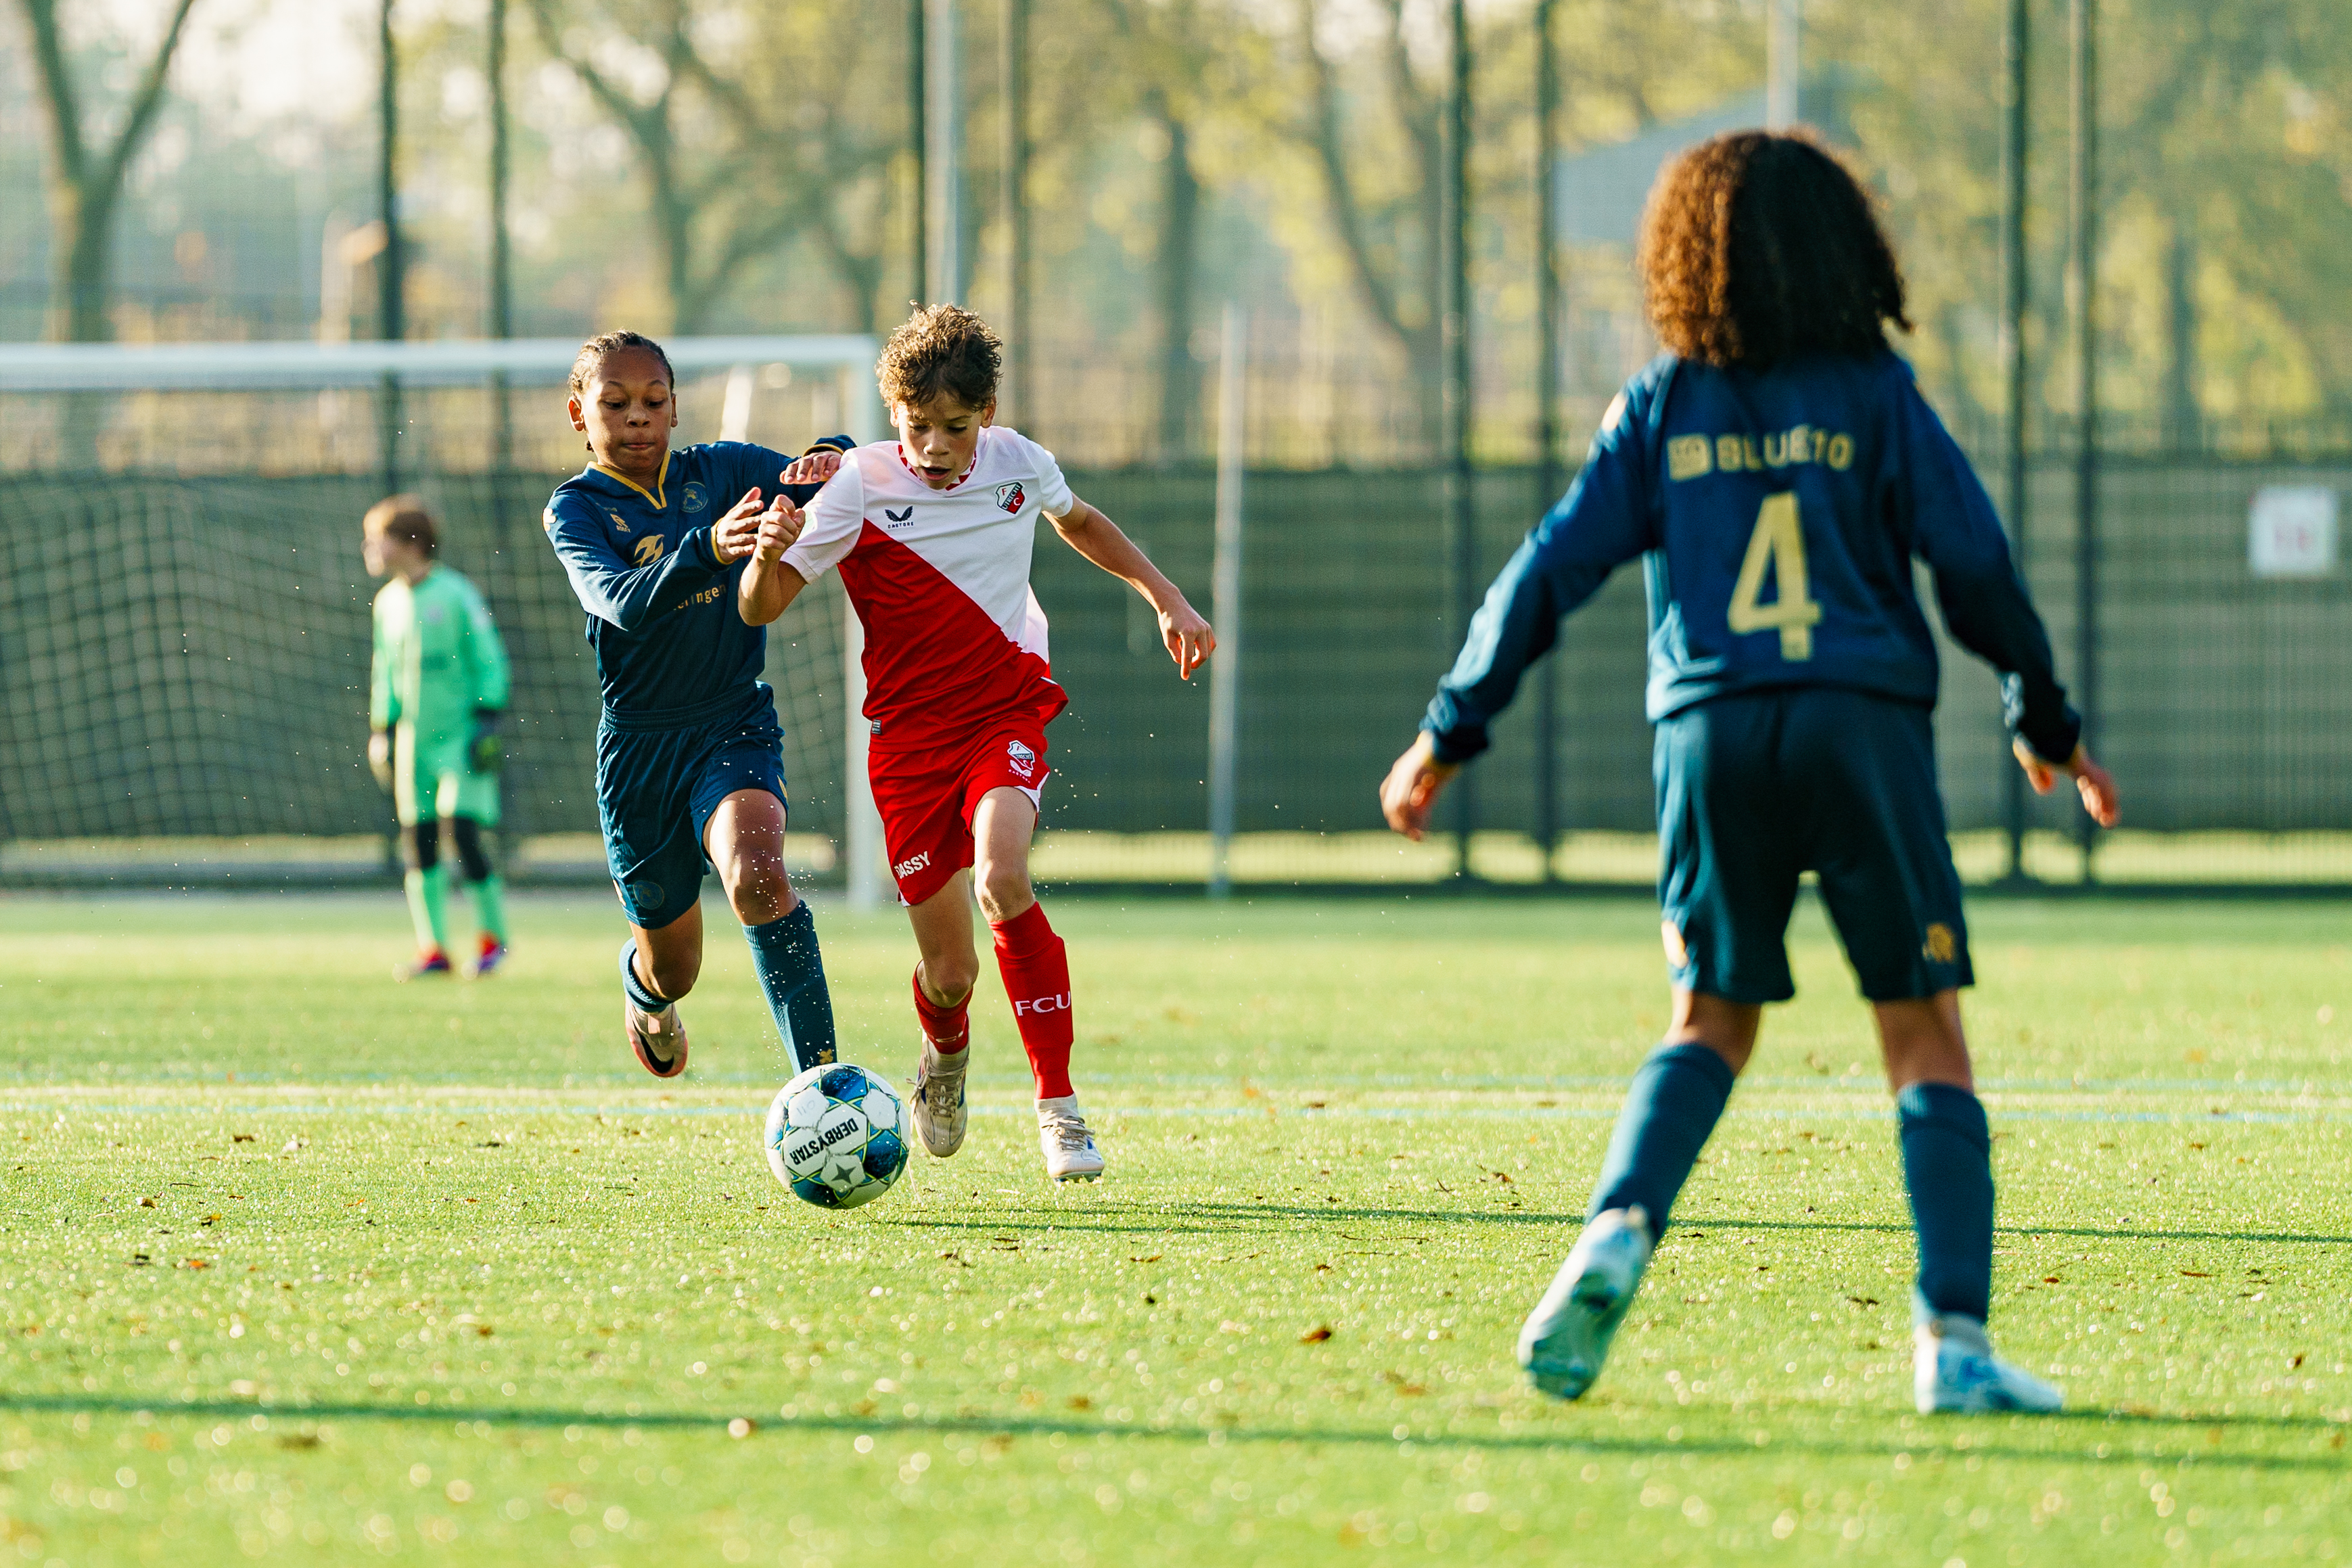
<point x="940" y="348"/>
<point x="1758" y="247"/>
<point x="405" y="517"/>
<point x="603" y="344"/>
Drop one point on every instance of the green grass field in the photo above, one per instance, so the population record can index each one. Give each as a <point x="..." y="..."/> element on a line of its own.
<point x="303" y="1266"/>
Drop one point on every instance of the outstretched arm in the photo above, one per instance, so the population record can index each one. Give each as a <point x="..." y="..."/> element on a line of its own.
<point x="1187" y="637"/>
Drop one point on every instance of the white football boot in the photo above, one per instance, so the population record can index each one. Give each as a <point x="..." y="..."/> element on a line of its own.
<point x="1566" y="1337"/>
<point x="1955" y="1371"/>
<point x="941" y="1114"/>
<point x="1070" y="1151"/>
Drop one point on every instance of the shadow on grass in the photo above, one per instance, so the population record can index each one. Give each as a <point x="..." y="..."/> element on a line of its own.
<point x="1960" y="1445"/>
<point x="1694" y="1222"/>
<point x="1219" y="1218"/>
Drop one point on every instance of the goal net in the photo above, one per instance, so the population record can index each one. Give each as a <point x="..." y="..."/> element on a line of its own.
<point x="184" y="615"/>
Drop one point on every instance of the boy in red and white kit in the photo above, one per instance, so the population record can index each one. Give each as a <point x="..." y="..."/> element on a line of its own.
<point x="932" y="534"/>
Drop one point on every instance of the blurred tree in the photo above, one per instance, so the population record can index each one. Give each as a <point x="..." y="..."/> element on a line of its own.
<point x="1166" y="47"/>
<point x="1384" y="214"/>
<point x="86" y="172"/>
<point x="736" y="166"/>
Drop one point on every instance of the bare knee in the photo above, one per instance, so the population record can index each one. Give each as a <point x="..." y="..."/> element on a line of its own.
<point x="1004" y="890"/>
<point x="1924" y="1042"/>
<point x="759" y="891"/>
<point x="669" y="975"/>
<point x="947" y="977"/>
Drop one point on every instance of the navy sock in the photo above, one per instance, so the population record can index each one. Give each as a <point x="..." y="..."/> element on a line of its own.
<point x="791" y="972"/>
<point x="1947" y="1164"/>
<point x="643" y="994"/>
<point x="1671" y="1107"/>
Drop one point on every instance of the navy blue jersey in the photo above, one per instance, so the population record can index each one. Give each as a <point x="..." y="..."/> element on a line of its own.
<point x="670" y="647"/>
<point x="1778" y="514"/>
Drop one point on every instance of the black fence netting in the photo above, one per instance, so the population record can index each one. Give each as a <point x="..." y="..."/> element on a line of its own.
<point x="189" y="657"/>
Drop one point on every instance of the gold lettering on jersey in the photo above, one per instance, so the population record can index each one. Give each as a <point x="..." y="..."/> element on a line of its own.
<point x="1694" y="456"/>
<point x="1688" y="457"/>
<point x="648" y="550"/>
<point x="708" y="595"/>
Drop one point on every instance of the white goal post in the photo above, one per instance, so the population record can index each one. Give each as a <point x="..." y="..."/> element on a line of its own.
<point x="39" y="368"/>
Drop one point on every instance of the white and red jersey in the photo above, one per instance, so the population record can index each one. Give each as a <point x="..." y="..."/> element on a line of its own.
<point x="940" y="579"/>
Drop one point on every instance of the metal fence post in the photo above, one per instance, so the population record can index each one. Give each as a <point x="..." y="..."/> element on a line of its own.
<point x="2085" y="182"/>
<point x="1453" y="237"/>
<point x="1225" y="602"/>
<point x="2015" y="42"/>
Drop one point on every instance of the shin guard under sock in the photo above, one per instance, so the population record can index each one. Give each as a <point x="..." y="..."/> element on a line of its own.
<point x="646" y="999"/>
<point x="428" y="898"/>
<point x="1672" y="1105"/>
<point x="1947" y="1165"/>
<point x="1037" y="969"/>
<point x="947" y="1029"/>
<point x="791" y="972"/>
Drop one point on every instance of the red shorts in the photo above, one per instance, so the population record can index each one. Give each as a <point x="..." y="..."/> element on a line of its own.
<point x="926" y="798"/>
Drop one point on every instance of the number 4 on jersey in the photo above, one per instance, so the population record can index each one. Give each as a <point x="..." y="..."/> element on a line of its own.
<point x="1777" y="545"/>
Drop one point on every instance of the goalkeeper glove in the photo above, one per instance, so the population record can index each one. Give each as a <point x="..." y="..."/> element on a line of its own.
<point x="380" y="758"/>
<point x="486" y="751"/>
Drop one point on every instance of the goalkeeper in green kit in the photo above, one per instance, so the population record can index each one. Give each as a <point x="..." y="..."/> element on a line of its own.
<point x="437" y="690"/>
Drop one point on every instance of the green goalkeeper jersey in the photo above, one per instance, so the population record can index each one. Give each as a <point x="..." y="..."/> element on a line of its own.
<point x="438" y="656"/>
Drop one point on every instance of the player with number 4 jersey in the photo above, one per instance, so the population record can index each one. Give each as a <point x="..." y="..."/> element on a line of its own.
<point x="1776" y="472"/>
<point x="932" y="534"/>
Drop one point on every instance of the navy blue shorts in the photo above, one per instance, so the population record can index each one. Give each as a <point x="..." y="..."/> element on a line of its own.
<point x="1756" y="790"/>
<point x="655" y="790"/>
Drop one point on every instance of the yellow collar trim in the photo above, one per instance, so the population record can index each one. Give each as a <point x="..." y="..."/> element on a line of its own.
<point x="661" y="481"/>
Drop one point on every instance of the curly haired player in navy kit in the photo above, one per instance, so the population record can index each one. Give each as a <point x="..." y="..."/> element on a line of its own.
<point x="689" y="758"/>
<point x="1777" y="471"/>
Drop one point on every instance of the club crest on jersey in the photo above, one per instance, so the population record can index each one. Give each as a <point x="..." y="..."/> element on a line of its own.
<point x="648" y="550"/>
<point x="697" y="497"/>
<point x="1009" y="496"/>
<point x="1023" y="760"/>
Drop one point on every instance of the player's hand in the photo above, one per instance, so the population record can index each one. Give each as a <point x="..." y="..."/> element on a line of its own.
<point x="812" y="468"/>
<point x="380" y="758"/>
<point x="2092" y="782"/>
<point x="1410" y="792"/>
<point x="1187" y="637"/>
<point x="732" y="535"/>
<point x="780" y="527"/>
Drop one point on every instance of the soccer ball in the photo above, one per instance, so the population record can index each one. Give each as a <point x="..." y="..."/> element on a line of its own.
<point x="837" y="1136"/>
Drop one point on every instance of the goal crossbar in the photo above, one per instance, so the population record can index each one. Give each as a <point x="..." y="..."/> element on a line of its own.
<point x="232" y="366"/>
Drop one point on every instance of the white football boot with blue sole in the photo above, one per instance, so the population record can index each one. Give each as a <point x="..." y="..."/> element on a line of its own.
<point x="1068" y="1145"/>
<point x="1955" y="1372"/>
<point x="1566" y="1339"/>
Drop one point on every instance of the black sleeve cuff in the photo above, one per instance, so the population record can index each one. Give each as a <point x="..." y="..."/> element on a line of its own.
<point x="1457" y="745"/>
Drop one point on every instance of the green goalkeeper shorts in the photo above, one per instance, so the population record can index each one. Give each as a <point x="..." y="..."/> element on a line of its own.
<point x="433" y="777"/>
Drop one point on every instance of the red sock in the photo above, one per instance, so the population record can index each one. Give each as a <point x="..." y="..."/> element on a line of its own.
<point x="1037" y="969"/>
<point x="948" y="1029"/>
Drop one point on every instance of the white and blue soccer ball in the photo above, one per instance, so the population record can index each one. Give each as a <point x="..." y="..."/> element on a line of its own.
<point x="837" y="1136"/>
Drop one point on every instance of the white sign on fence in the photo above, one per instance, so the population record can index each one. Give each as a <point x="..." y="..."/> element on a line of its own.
<point x="2291" y="532"/>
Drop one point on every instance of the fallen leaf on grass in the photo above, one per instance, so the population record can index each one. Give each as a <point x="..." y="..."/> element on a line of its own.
<point x="1154" y="1257"/>
<point x="240" y="1137"/>
<point x="2195" y="1274"/>
<point x="1316" y="1335"/>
